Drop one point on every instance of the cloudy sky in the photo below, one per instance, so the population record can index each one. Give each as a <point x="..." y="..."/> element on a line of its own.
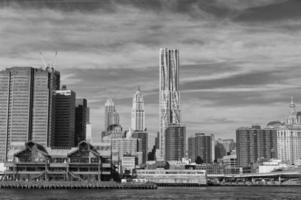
<point x="240" y="59"/>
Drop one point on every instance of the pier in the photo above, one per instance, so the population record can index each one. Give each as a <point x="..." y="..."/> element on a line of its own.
<point x="49" y="185"/>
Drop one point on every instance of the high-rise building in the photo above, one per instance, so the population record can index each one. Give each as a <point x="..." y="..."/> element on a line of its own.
<point x="169" y="96"/>
<point x="143" y="135"/>
<point x="289" y="137"/>
<point x="81" y="120"/>
<point x="125" y="146"/>
<point x="229" y="145"/>
<point x="224" y="147"/>
<point x="88" y="126"/>
<point x="255" y="144"/>
<point x="26" y="106"/>
<point x="111" y="115"/>
<point x="138" y="115"/>
<point x="64" y="119"/>
<point x="201" y="146"/>
<point x="175" y="138"/>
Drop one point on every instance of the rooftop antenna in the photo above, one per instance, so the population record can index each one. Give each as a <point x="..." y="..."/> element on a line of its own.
<point x="43" y="59"/>
<point x="54" y="60"/>
<point x="50" y="64"/>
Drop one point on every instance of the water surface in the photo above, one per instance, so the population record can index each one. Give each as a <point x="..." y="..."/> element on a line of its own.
<point x="176" y="193"/>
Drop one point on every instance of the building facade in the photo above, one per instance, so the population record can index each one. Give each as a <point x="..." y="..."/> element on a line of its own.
<point x="138" y="114"/>
<point x="201" y="146"/>
<point x="111" y="115"/>
<point x="144" y="143"/>
<point x="175" y="138"/>
<point x="289" y="137"/>
<point x="26" y="106"/>
<point x="169" y="95"/>
<point x="81" y="115"/>
<point x="64" y="136"/>
<point x="255" y="144"/>
<point x="125" y="146"/>
<point x="81" y="163"/>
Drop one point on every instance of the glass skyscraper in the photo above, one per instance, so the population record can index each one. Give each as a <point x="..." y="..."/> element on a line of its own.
<point x="26" y="106"/>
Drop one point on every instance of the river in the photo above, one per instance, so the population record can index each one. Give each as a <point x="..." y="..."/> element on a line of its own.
<point x="175" y="193"/>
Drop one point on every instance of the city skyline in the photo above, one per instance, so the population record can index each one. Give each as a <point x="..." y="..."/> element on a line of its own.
<point x="236" y="71"/>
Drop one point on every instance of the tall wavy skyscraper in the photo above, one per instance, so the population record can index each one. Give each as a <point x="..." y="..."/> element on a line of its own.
<point x="138" y="114"/>
<point x="169" y="96"/>
<point x="111" y="115"/>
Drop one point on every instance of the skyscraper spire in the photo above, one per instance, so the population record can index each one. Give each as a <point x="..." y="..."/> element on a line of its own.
<point x="138" y="114"/>
<point x="111" y="115"/>
<point x="292" y="118"/>
<point x="292" y="104"/>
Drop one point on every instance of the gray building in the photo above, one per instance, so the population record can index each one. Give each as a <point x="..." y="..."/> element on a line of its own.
<point x="175" y="138"/>
<point x="138" y="114"/>
<point x="64" y="119"/>
<point x="201" y="146"/>
<point x="143" y="135"/>
<point x="111" y="114"/>
<point x="255" y="144"/>
<point x="169" y="95"/>
<point x="81" y="120"/>
<point x="26" y="106"/>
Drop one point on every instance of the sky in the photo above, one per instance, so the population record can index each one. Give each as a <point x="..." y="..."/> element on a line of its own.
<point x="239" y="59"/>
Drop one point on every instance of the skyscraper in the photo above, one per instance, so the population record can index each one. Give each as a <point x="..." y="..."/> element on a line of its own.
<point x="289" y="137"/>
<point x="143" y="135"/>
<point x="138" y="115"/>
<point x="254" y="144"/>
<point x="88" y="126"/>
<point x="111" y="115"/>
<point x="169" y="96"/>
<point x="175" y="138"/>
<point x="202" y="146"/>
<point x="81" y="120"/>
<point x="26" y="106"/>
<point x="64" y="119"/>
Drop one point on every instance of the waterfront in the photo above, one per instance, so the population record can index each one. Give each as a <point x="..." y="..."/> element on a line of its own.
<point x="176" y="193"/>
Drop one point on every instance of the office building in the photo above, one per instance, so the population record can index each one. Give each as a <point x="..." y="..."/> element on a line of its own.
<point x="64" y="136"/>
<point x="169" y="96"/>
<point x="220" y="150"/>
<point x="255" y="144"/>
<point x="289" y="137"/>
<point x="88" y="126"/>
<point x="111" y="115"/>
<point x="229" y="145"/>
<point x="26" y="106"/>
<point x="138" y="115"/>
<point x="81" y="114"/>
<point x="175" y="138"/>
<point x="125" y="146"/>
<point x="144" y="143"/>
<point x="201" y="147"/>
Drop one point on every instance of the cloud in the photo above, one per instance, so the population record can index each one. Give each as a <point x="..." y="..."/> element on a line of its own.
<point x="246" y="4"/>
<point x="233" y="56"/>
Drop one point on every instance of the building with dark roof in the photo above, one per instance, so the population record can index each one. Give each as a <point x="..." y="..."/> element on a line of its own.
<point x="36" y="162"/>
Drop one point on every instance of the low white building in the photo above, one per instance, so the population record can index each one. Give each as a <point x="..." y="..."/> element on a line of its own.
<point x="173" y="176"/>
<point x="128" y="162"/>
<point x="272" y="165"/>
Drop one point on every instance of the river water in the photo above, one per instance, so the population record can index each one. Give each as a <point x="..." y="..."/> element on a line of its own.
<point x="177" y="193"/>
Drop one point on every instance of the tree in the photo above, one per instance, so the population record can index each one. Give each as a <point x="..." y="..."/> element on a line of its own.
<point x="199" y="160"/>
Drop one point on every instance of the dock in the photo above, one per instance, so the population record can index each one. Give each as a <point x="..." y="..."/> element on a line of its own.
<point x="49" y="185"/>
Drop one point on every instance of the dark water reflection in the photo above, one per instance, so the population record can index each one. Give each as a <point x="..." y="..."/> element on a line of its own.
<point x="176" y="193"/>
